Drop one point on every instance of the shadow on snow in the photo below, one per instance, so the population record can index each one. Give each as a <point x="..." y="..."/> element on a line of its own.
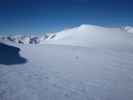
<point x="9" y="55"/>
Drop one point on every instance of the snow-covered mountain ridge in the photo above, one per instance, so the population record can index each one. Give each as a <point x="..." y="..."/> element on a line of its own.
<point x="22" y="39"/>
<point x="83" y="33"/>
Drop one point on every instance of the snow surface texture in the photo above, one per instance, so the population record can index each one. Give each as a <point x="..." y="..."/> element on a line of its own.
<point x="83" y="63"/>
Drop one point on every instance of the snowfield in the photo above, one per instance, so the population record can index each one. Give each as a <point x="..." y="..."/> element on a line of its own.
<point x="83" y="63"/>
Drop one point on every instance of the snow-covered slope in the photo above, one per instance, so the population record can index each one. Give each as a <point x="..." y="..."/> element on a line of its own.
<point x="86" y="35"/>
<point x="91" y="63"/>
<point x="129" y="29"/>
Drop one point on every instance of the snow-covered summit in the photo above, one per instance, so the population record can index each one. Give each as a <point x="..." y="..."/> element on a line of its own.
<point x="85" y="35"/>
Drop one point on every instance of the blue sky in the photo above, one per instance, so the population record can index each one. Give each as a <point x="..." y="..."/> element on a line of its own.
<point x="23" y="16"/>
